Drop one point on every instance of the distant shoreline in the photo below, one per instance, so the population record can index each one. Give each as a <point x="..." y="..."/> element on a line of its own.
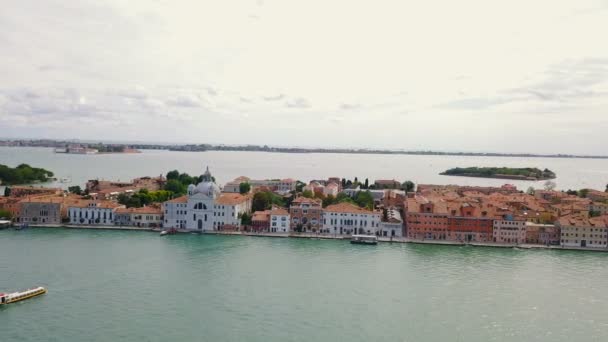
<point x="265" y="148"/>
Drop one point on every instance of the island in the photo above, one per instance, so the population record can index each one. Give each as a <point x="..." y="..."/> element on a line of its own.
<point x="527" y="173"/>
<point x="23" y="174"/>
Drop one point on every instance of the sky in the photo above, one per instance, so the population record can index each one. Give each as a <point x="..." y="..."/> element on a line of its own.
<point x="468" y="75"/>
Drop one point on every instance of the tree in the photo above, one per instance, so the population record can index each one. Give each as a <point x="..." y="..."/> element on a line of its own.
<point x="244" y="188"/>
<point x="245" y="219"/>
<point x="172" y="174"/>
<point x="299" y="186"/>
<point x="343" y="183"/>
<point x="329" y="200"/>
<point x="583" y="193"/>
<point x="384" y="214"/>
<point x="572" y="192"/>
<point x="530" y="191"/>
<point x="175" y="186"/>
<point x="5" y="214"/>
<point x="408" y="186"/>
<point x="364" y="199"/>
<point x="550" y="186"/>
<point x="7" y="191"/>
<point x="308" y="194"/>
<point x="264" y="200"/>
<point x="606" y="188"/>
<point x="75" y="190"/>
<point x="356" y="180"/>
<point x="366" y="184"/>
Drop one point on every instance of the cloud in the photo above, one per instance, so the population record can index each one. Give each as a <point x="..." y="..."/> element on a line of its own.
<point x="298" y="102"/>
<point x="274" y="98"/>
<point x="185" y="101"/>
<point x="350" y="106"/>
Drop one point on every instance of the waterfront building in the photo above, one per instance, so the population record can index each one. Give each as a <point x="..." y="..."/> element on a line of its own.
<point x="206" y="208"/>
<point x="92" y="212"/>
<point x="583" y="231"/>
<point x="280" y="186"/>
<point x="469" y="224"/>
<point x="426" y="219"/>
<point x="306" y="214"/>
<point x="45" y="210"/>
<point x="260" y="221"/>
<point x="392" y="225"/>
<point x="144" y="217"/>
<point x="544" y="234"/>
<point x="509" y="230"/>
<point x="235" y="185"/>
<point x="279" y="220"/>
<point x="347" y="219"/>
<point x="175" y="212"/>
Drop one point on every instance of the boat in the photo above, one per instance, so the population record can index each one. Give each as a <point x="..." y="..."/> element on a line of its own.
<point x="168" y="232"/>
<point x="22" y="226"/>
<point x="364" y="239"/>
<point x="7" y="298"/>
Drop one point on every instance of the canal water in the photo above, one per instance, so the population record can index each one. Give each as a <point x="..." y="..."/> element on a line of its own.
<point x="137" y="286"/>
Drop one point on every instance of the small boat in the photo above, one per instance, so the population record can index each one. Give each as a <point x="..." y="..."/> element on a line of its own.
<point x="168" y="232"/>
<point x="22" y="226"/>
<point x="364" y="239"/>
<point x="7" y="298"/>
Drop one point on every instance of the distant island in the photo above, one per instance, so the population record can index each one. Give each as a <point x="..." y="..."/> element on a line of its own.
<point x="527" y="173"/>
<point x="62" y="146"/>
<point x="23" y="174"/>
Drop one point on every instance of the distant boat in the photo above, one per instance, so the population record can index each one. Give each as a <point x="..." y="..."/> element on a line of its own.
<point x="168" y="232"/>
<point x="22" y="226"/>
<point x="7" y="298"/>
<point x="364" y="239"/>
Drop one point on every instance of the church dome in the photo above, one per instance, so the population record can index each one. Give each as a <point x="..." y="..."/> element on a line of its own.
<point x="207" y="188"/>
<point x="191" y="189"/>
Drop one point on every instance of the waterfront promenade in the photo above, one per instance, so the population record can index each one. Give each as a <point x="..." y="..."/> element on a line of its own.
<point x="313" y="236"/>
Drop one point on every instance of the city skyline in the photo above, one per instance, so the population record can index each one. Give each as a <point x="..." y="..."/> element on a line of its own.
<point x="474" y="76"/>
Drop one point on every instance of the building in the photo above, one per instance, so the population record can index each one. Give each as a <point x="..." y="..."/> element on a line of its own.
<point x="205" y="208"/>
<point x="509" y="230"/>
<point x="306" y="214"/>
<point x="347" y="219"/>
<point x="392" y="226"/>
<point x="144" y="217"/>
<point x="279" y="220"/>
<point x="582" y="231"/>
<point x="544" y="234"/>
<point x="260" y="221"/>
<point x="41" y="210"/>
<point x="22" y="191"/>
<point x="175" y="212"/>
<point x="387" y="184"/>
<point x="92" y="212"/>
<point x="105" y="190"/>
<point x="426" y="219"/>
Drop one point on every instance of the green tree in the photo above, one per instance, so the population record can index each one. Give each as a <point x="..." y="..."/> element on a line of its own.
<point x="530" y="191"/>
<point x="5" y="214"/>
<point x="172" y="174"/>
<point x="75" y="190"/>
<point x="364" y="199"/>
<point x="245" y="219"/>
<point x="299" y="186"/>
<point x="7" y="191"/>
<point x="308" y="194"/>
<point x="583" y="193"/>
<point x="366" y="184"/>
<point x="175" y="186"/>
<point x="408" y="186"/>
<point x="244" y="188"/>
<point x="328" y="200"/>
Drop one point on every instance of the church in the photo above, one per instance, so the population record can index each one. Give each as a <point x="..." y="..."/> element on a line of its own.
<point x="206" y="208"/>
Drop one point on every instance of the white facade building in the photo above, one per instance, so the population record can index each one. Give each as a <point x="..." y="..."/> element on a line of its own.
<point x="93" y="212"/>
<point x="205" y="208"/>
<point x="348" y="219"/>
<point x="393" y="226"/>
<point x="279" y="220"/>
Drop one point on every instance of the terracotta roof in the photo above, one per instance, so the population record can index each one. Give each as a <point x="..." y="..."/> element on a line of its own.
<point x="181" y="199"/>
<point x="302" y="199"/>
<point x="279" y="211"/>
<point x="142" y="210"/>
<point x="347" y="208"/>
<point x="99" y="204"/>
<point x="231" y="199"/>
<point x="584" y="221"/>
<point x="261" y="216"/>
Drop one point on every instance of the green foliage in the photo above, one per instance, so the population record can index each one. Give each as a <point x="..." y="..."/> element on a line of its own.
<point x="23" y="174"/>
<point x="5" y="214"/>
<point x="364" y="199"/>
<point x="244" y="188"/>
<point x="264" y="200"/>
<point x="299" y="186"/>
<point x="530" y="191"/>
<point x="178" y="183"/>
<point x="595" y="213"/>
<point x="366" y="184"/>
<point x="500" y="171"/>
<point x="308" y="194"/>
<point x="583" y="193"/>
<point x="329" y="200"/>
<point x="7" y="191"/>
<point x="245" y="219"/>
<point x="75" y="190"/>
<point x="144" y="197"/>
<point x="408" y="186"/>
<point x="572" y="192"/>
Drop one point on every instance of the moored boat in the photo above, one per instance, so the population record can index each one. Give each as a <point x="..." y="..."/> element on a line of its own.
<point x="168" y="232"/>
<point x="364" y="239"/>
<point x="7" y="298"/>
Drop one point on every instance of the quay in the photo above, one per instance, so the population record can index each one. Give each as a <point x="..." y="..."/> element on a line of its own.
<point x="313" y="236"/>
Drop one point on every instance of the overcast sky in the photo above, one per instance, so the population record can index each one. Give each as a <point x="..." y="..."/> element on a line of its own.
<point x="468" y="75"/>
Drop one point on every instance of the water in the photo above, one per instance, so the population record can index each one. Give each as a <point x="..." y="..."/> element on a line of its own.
<point x="137" y="286"/>
<point x="225" y="166"/>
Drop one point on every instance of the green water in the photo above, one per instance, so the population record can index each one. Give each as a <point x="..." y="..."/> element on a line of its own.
<point x="137" y="286"/>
